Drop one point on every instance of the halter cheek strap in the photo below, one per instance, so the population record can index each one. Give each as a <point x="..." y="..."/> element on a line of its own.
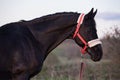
<point x="79" y="21"/>
<point x="91" y="43"/>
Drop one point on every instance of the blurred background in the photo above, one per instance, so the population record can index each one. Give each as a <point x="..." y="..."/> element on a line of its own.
<point x="63" y="63"/>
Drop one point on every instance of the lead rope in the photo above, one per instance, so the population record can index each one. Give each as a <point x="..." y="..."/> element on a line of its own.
<point x="82" y="67"/>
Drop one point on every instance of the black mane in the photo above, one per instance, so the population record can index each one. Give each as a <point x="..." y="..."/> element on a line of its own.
<point x="52" y="16"/>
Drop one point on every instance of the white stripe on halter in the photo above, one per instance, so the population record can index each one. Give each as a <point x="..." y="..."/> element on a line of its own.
<point x="94" y="42"/>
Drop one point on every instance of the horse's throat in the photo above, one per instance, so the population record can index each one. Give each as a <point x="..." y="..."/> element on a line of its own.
<point x="57" y="38"/>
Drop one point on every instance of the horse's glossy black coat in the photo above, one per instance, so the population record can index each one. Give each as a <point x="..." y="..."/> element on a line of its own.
<point x="25" y="45"/>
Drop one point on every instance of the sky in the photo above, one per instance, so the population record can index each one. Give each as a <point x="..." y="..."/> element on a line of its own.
<point x="108" y="10"/>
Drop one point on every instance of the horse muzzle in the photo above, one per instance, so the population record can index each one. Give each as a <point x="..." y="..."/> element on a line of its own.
<point x="95" y="52"/>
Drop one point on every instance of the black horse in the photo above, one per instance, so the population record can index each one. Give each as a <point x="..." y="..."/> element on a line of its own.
<point x="25" y="45"/>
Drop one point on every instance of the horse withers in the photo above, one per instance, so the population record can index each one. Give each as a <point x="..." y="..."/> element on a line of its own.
<point x="25" y="45"/>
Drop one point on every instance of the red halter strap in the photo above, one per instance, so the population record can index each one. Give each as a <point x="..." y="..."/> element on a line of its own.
<point x="77" y="34"/>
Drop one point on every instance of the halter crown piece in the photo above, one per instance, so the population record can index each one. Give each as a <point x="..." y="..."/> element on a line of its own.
<point x="89" y="44"/>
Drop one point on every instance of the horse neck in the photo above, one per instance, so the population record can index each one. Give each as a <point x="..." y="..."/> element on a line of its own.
<point x="52" y="32"/>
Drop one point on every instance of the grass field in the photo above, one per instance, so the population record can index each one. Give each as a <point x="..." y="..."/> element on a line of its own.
<point x="64" y="64"/>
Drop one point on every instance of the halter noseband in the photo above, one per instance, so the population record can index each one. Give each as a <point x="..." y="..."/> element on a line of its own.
<point x="91" y="43"/>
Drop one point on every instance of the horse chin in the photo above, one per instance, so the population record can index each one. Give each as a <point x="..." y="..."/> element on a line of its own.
<point x="95" y="59"/>
<point x="95" y="53"/>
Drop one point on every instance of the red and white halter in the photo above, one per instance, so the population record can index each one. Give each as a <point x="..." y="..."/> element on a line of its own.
<point x="89" y="44"/>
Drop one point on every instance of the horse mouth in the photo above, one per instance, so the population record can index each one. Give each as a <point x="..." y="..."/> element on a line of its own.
<point x="95" y="59"/>
<point x="95" y="53"/>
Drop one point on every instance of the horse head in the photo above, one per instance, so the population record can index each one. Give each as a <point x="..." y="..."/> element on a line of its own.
<point x="86" y="36"/>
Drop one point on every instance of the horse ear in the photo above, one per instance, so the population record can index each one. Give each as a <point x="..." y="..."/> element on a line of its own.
<point x="94" y="13"/>
<point x="90" y="14"/>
